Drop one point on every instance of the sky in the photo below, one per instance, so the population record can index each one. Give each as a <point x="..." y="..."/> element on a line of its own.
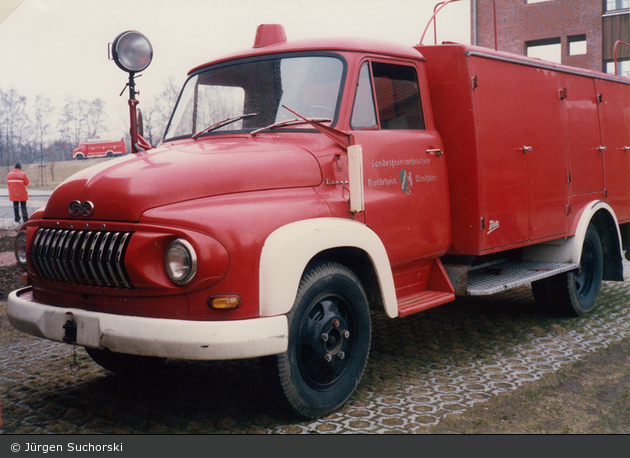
<point x="59" y="48"/>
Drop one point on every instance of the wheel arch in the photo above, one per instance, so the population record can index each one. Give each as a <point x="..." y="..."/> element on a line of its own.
<point x="290" y="249"/>
<point x="569" y="249"/>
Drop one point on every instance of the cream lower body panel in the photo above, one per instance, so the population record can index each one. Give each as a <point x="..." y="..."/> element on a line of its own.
<point x="166" y="338"/>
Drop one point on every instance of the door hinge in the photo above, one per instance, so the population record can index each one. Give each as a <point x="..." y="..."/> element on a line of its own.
<point x="481" y="224"/>
<point x="569" y="178"/>
<point x="569" y="209"/>
<point x="563" y="93"/>
<point x="474" y="82"/>
<point x="339" y="163"/>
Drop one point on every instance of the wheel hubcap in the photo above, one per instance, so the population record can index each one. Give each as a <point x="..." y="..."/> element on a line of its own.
<point x="325" y="341"/>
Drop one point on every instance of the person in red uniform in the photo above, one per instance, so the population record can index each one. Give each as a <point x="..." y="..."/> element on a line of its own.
<point x="17" y="181"/>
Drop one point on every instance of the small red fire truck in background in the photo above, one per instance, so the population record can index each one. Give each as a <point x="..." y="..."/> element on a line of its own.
<point x="99" y="148"/>
<point x="301" y="186"/>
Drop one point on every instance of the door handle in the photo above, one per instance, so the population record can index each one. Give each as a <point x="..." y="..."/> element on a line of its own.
<point x="437" y="152"/>
<point x="526" y="149"/>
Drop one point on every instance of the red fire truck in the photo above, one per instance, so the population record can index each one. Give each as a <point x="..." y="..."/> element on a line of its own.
<point x="99" y="148"/>
<point x="348" y="177"/>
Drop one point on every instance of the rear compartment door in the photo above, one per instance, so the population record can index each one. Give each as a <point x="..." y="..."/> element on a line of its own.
<point x="614" y="117"/>
<point x="583" y="137"/>
<point x="522" y="153"/>
<point x="545" y="149"/>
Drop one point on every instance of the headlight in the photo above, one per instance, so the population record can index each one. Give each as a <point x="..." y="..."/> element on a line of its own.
<point x="19" y="248"/>
<point x="180" y="262"/>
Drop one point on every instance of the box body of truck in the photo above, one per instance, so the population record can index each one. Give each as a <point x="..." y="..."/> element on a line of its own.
<point x="530" y="144"/>
<point x="99" y="148"/>
<point x="348" y="176"/>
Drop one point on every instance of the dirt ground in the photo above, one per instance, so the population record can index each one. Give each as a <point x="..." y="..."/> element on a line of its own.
<point x="589" y="396"/>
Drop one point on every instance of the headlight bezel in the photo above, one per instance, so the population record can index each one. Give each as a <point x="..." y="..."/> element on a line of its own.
<point x="19" y="249"/>
<point x="180" y="262"/>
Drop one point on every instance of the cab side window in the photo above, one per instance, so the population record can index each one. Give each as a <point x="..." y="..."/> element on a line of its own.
<point x="397" y="98"/>
<point x="364" y="112"/>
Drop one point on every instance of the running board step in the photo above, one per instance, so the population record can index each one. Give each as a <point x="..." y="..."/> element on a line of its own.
<point x="503" y="275"/>
<point x="438" y="291"/>
<point x="418" y="302"/>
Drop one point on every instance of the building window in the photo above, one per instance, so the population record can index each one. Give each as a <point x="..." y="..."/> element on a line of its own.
<point x="577" y="45"/>
<point x="613" y="5"/>
<point x="547" y="49"/>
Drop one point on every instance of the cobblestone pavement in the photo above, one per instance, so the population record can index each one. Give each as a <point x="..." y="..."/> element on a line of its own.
<point x="429" y="397"/>
<point x="399" y="394"/>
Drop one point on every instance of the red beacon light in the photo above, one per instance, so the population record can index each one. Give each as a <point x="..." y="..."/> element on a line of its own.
<point x="132" y="52"/>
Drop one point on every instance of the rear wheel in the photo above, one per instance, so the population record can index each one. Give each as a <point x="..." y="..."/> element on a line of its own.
<point x="574" y="293"/>
<point x="329" y="341"/>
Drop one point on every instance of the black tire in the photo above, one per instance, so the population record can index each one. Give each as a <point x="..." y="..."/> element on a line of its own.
<point x="329" y="342"/>
<point x="124" y="364"/>
<point x="574" y="293"/>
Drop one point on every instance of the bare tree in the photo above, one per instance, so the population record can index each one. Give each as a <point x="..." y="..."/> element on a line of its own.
<point x="80" y="120"/>
<point x="93" y="116"/>
<point x="14" y="124"/>
<point x="157" y="113"/>
<point x="43" y="110"/>
<point x="69" y="122"/>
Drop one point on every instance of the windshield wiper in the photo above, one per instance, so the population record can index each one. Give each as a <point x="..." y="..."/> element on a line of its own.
<point x="222" y="123"/>
<point x="289" y="122"/>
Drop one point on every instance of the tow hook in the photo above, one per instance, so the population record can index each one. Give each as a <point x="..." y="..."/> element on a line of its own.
<point x="70" y="335"/>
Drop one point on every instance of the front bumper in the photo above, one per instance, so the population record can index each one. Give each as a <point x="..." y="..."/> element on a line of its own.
<point x="166" y="338"/>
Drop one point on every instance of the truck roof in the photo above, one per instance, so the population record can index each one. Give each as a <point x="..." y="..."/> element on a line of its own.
<point x="363" y="45"/>
<point x="488" y="53"/>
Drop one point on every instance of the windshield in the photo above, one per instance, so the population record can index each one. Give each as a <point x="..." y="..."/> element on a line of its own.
<point x="309" y="85"/>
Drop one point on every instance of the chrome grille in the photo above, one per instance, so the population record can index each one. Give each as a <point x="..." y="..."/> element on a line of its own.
<point x="94" y="258"/>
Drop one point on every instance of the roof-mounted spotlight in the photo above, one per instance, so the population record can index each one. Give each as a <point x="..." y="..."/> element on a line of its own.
<point x="132" y="51"/>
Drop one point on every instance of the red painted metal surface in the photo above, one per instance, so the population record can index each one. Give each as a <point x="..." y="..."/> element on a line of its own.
<point x="526" y="144"/>
<point x="504" y="152"/>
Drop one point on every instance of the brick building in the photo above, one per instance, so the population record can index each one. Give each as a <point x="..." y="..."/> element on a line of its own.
<point x="581" y="33"/>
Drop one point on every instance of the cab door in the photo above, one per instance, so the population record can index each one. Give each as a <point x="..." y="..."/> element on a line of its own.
<point x="404" y="170"/>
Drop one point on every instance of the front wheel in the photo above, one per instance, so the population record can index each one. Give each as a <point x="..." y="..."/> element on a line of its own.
<point x="574" y="293"/>
<point x="329" y="342"/>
